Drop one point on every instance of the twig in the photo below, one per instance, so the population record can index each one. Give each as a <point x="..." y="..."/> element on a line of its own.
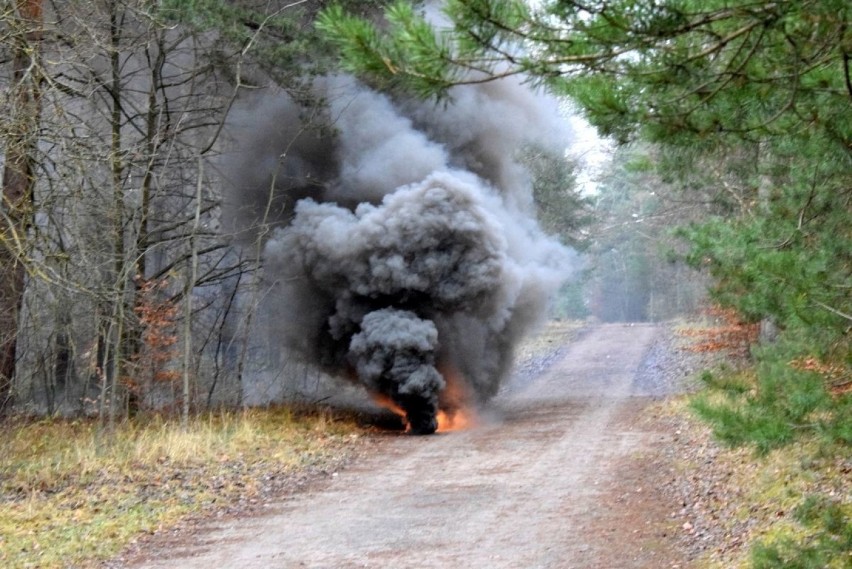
<point x="833" y="310"/>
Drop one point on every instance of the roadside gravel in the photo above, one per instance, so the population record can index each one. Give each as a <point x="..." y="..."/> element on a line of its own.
<point x="690" y="475"/>
<point x="662" y="506"/>
<point x="530" y="487"/>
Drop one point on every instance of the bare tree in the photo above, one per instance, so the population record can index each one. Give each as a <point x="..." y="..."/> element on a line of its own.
<point x="111" y="200"/>
<point x="128" y="112"/>
<point x="24" y="21"/>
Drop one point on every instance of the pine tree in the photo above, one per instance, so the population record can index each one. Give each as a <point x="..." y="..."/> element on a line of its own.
<point x="748" y="103"/>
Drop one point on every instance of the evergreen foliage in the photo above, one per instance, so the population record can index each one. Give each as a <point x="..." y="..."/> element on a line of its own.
<point x="831" y="526"/>
<point x="279" y="35"/>
<point x="781" y="402"/>
<point x="636" y="269"/>
<point x="562" y="209"/>
<point x="748" y="105"/>
<point x="747" y="102"/>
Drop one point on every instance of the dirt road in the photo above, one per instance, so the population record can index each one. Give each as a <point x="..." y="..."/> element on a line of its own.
<point x="532" y="487"/>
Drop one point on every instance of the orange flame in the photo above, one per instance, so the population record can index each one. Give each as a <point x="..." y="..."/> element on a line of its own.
<point x="387" y="403"/>
<point x="459" y="420"/>
<point x="455" y="412"/>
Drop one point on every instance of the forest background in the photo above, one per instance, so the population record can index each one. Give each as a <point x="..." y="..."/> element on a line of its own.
<point x="122" y="287"/>
<point x="121" y="291"/>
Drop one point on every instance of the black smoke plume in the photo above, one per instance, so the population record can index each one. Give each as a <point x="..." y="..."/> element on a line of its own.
<point x="403" y="236"/>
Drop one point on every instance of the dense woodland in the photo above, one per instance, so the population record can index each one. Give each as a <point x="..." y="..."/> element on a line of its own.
<point x="124" y="288"/>
<point x="131" y="286"/>
<point x="120" y="288"/>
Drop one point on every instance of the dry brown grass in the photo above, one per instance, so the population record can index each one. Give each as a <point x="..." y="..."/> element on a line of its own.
<point x="553" y="335"/>
<point x="71" y="495"/>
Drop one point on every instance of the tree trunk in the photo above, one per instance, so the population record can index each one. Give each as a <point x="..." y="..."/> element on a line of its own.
<point x="18" y="182"/>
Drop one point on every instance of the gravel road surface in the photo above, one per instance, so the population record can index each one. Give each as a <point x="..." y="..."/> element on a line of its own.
<point x="525" y="489"/>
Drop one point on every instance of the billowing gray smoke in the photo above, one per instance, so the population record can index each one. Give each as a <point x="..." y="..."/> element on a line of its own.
<point x="404" y="251"/>
<point x="394" y="354"/>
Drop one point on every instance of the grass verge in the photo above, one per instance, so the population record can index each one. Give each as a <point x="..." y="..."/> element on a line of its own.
<point x="790" y="507"/>
<point x="72" y="495"/>
<point x="771" y="490"/>
<point x="553" y="336"/>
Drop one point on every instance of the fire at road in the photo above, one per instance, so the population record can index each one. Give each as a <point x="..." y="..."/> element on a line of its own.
<point x="521" y="490"/>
